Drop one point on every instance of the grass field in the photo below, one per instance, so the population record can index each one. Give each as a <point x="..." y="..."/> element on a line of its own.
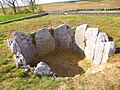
<point x="11" y="17"/>
<point x="16" y="79"/>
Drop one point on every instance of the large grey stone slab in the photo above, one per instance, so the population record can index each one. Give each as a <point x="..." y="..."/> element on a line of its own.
<point x="45" y="43"/>
<point x="25" y="42"/>
<point x="62" y="35"/>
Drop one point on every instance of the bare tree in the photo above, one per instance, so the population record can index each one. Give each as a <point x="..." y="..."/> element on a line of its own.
<point x="18" y="6"/>
<point x="2" y="7"/>
<point x="11" y="3"/>
<point x="30" y="3"/>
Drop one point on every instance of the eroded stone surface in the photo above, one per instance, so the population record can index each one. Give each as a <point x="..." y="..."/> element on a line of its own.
<point x="91" y="36"/>
<point x="19" y="59"/>
<point x="99" y="47"/>
<point x="43" y="69"/>
<point x="109" y="50"/>
<point x="25" y="42"/>
<point x="80" y="36"/>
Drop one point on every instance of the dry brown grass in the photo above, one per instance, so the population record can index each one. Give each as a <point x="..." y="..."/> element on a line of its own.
<point x="77" y="5"/>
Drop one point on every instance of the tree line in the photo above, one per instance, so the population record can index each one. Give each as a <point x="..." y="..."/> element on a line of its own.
<point x="15" y="6"/>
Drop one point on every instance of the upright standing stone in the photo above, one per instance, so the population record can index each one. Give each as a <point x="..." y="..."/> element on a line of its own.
<point x="80" y="36"/>
<point x="14" y="47"/>
<point x="99" y="47"/>
<point x="25" y="42"/>
<point x="109" y="50"/>
<point x="44" y="42"/>
<point x="62" y="37"/>
<point x="91" y="36"/>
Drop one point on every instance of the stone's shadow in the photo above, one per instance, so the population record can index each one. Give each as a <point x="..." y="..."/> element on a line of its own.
<point x="117" y="50"/>
<point x="64" y="62"/>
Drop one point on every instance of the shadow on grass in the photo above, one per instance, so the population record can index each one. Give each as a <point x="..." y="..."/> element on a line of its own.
<point x="118" y="50"/>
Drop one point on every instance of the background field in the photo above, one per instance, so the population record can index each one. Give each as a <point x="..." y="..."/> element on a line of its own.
<point x="77" y="5"/>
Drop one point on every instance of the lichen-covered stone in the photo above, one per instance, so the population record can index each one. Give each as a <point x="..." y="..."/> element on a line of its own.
<point x="19" y="59"/>
<point x="43" y="69"/>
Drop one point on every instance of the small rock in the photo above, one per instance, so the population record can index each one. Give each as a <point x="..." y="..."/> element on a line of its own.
<point x="19" y="59"/>
<point x="42" y="69"/>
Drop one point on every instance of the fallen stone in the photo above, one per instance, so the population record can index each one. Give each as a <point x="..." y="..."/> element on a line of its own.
<point x="43" y="69"/>
<point x="91" y="36"/>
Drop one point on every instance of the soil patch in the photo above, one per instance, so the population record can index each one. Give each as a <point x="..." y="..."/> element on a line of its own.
<point x="64" y="62"/>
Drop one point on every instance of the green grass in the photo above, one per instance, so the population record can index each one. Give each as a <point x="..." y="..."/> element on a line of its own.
<point x="13" y="78"/>
<point x="11" y="17"/>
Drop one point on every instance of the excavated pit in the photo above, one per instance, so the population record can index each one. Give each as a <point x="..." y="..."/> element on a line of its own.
<point x="62" y="48"/>
<point x="64" y="62"/>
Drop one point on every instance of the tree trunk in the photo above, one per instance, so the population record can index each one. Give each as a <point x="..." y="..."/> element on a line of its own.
<point x="3" y="8"/>
<point x="14" y="8"/>
<point x="32" y="6"/>
<point x="18" y="7"/>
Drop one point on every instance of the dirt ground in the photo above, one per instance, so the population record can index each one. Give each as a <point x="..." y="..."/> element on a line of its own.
<point x="65" y="62"/>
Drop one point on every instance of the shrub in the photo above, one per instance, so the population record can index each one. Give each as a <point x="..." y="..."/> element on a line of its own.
<point x="21" y="74"/>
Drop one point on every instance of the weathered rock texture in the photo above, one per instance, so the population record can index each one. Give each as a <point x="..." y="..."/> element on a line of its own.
<point x="95" y="45"/>
<point x="43" y="69"/>
<point x="32" y="46"/>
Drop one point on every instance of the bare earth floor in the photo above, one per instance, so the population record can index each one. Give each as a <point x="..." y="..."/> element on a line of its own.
<point x="65" y="62"/>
